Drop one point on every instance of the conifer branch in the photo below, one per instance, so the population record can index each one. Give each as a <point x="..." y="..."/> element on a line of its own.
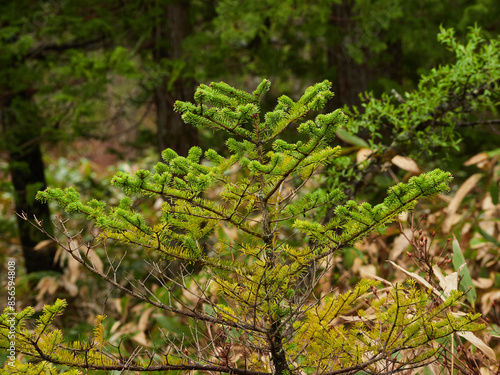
<point x="247" y="294"/>
<point x="75" y="253"/>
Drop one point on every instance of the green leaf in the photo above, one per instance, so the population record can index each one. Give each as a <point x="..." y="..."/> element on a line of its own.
<point x="351" y="138"/>
<point x="494" y="192"/>
<point x="488" y="237"/>
<point x="466" y="283"/>
<point x="493" y="153"/>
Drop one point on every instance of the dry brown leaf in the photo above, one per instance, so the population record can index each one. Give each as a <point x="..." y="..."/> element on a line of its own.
<point x="141" y="339"/>
<point x="47" y="285"/>
<point x="42" y="245"/>
<point x="114" y="327"/>
<point x="373" y="276"/>
<point x="487" y="299"/>
<point x="70" y="286"/>
<point x="369" y="247"/>
<point x="405" y="163"/>
<point x="478" y="343"/>
<point x="232" y="232"/>
<point x="439" y="274"/>
<point x="400" y="244"/>
<point x="488" y="226"/>
<point x="412" y="275"/>
<point x="354" y="318"/>
<point x="483" y="283"/>
<point x="356" y="265"/>
<point x="73" y="269"/>
<point x="481" y="157"/>
<point x="128" y="328"/>
<point x="488" y="205"/>
<point x="117" y="306"/>
<point x="60" y="256"/>
<point x="449" y="282"/>
<point x="144" y="319"/>
<point x="444" y="198"/>
<point x="461" y="193"/>
<point x="420" y="279"/>
<point x="403" y="216"/>
<point x="450" y="221"/>
<point x="363" y="154"/>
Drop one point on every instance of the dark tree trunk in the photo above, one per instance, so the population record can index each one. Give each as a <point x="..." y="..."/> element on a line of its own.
<point x="21" y="127"/>
<point x="278" y="355"/>
<point x="351" y="78"/>
<point x="393" y="66"/>
<point x="170" y="32"/>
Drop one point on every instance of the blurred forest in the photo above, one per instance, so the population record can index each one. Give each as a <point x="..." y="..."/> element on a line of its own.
<point x="87" y="88"/>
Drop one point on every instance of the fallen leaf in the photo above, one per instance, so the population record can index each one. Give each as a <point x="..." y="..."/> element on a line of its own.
<point x="483" y="283"/>
<point x="356" y="265"/>
<point x="72" y="289"/>
<point x="400" y="244"/>
<point x="368" y="269"/>
<point x="405" y="163"/>
<point x="478" y="343"/>
<point x="439" y="275"/>
<point x="373" y="276"/>
<point x="461" y="193"/>
<point x="488" y="226"/>
<point x="73" y="268"/>
<point x="362" y="155"/>
<point x="488" y="205"/>
<point x="47" y="285"/>
<point x="481" y="157"/>
<point x="420" y="279"/>
<point x="42" y="245"/>
<point x="487" y="300"/>
<point x="144" y="319"/>
<point x="353" y="318"/>
<point x="449" y="282"/>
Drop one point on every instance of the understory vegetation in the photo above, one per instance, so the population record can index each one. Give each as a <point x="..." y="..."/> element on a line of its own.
<point x="251" y="226"/>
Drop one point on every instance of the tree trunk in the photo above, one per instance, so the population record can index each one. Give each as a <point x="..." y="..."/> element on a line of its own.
<point x="278" y="356"/>
<point x="21" y="125"/>
<point x="170" y="31"/>
<point x="351" y="78"/>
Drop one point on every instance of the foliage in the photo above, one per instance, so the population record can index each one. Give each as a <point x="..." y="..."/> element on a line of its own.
<point x="453" y="103"/>
<point x="449" y="97"/>
<point x="253" y="306"/>
<point x="49" y="52"/>
<point x="393" y="40"/>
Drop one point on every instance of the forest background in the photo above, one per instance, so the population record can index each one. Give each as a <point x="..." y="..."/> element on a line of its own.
<point x="88" y="88"/>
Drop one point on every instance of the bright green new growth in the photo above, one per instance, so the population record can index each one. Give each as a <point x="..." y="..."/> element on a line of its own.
<point x="259" y="287"/>
<point x="447" y="98"/>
